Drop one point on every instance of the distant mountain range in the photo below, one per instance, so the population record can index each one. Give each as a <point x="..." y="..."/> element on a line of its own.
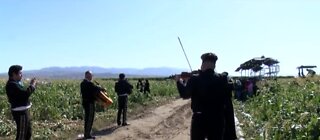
<point x="99" y="72"/>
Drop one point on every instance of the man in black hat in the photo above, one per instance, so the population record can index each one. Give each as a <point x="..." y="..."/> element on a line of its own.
<point x="123" y="88"/>
<point x="19" y="100"/>
<point x="211" y="102"/>
<point x="89" y="93"/>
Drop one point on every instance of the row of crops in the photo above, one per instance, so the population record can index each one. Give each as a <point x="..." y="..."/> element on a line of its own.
<point x="57" y="109"/>
<point x="283" y="109"/>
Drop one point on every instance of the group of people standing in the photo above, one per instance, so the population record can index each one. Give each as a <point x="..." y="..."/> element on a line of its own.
<point x="245" y="88"/>
<point x="209" y="91"/>
<point x="18" y="97"/>
<point x="143" y="86"/>
<point x="89" y="93"/>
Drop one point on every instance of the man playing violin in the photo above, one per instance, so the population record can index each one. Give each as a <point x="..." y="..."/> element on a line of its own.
<point x="210" y="102"/>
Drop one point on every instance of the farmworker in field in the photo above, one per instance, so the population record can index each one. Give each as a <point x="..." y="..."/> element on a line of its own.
<point x="89" y="92"/>
<point x="139" y="85"/>
<point x="123" y="88"/>
<point x="146" y="87"/>
<point x="255" y="87"/>
<point x="238" y="89"/>
<point x="211" y="102"/>
<point x="249" y="87"/>
<point x="18" y="98"/>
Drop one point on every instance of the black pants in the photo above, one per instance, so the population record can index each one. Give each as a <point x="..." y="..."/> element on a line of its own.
<point x="122" y="109"/>
<point x="89" y="110"/>
<point x="206" y="126"/>
<point x="23" y="123"/>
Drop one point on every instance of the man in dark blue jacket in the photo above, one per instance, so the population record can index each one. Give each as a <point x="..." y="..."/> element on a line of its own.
<point x="123" y="88"/>
<point x="211" y="102"/>
<point x="19" y="100"/>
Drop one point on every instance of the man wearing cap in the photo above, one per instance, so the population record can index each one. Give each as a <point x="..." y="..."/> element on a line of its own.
<point x="19" y="100"/>
<point x="89" y="92"/>
<point x="210" y="102"/>
<point x="123" y="88"/>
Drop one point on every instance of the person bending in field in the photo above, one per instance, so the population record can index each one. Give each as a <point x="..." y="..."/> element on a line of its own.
<point x="18" y="98"/>
<point x="140" y="85"/>
<point x="123" y="88"/>
<point x="89" y="92"/>
<point x="211" y="103"/>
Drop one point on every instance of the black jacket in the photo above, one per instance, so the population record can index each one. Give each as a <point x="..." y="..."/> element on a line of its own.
<point x="123" y="87"/>
<point x="89" y="91"/>
<point x="211" y="94"/>
<point x="17" y="95"/>
<point x="208" y="91"/>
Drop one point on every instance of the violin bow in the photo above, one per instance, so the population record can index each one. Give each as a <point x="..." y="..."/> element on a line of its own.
<point x="185" y="54"/>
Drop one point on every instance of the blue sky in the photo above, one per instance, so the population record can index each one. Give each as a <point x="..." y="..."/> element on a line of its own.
<point x="143" y="33"/>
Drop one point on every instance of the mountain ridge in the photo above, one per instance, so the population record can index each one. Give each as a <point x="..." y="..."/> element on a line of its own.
<point x="77" y="72"/>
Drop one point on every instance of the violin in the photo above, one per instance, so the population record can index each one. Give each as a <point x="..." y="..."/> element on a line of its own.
<point x="186" y="75"/>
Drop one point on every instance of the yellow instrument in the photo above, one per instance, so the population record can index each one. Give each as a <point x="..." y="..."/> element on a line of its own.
<point x="103" y="99"/>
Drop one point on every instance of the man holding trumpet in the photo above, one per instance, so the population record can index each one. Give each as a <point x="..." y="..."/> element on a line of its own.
<point x="18" y="98"/>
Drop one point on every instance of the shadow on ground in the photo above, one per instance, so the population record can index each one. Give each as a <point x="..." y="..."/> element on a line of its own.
<point x="103" y="132"/>
<point x="106" y="131"/>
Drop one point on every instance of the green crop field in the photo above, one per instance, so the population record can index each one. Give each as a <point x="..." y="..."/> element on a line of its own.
<point x="57" y="112"/>
<point x="284" y="109"/>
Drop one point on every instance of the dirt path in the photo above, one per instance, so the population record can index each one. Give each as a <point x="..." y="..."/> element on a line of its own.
<point x="167" y="122"/>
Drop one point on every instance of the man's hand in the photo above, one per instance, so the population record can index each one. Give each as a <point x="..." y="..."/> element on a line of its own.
<point x="33" y="82"/>
<point x="104" y="90"/>
<point x="177" y="78"/>
<point x="182" y="80"/>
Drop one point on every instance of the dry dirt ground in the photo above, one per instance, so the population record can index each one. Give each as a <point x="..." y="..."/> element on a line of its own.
<point x="167" y="122"/>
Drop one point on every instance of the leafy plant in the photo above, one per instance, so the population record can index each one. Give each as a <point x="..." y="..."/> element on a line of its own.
<point x="284" y="109"/>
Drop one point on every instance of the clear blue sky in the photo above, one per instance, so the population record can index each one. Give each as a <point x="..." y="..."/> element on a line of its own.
<point x="143" y="33"/>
